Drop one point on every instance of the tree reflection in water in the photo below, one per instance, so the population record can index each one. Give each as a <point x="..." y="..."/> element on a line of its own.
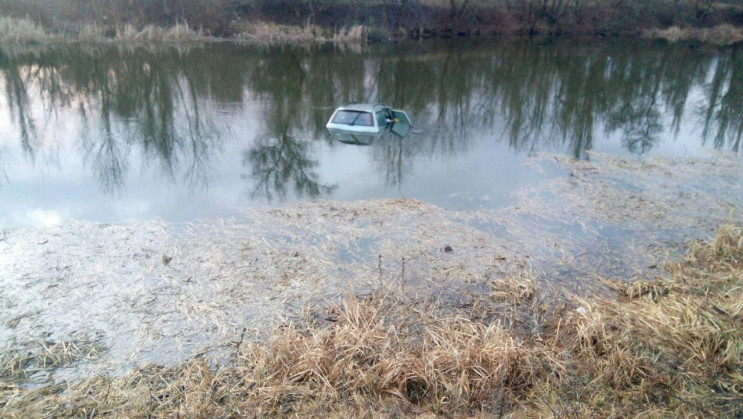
<point x="278" y="163"/>
<point x="174" y="107"/>
<point x="17" y="100"/>
<point x="722" y="117"/>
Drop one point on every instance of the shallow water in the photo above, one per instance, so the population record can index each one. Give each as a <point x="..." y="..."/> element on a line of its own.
<point x="122" y="133"/>
<point x="561" y="162"/>
<point x="160" y="292"/>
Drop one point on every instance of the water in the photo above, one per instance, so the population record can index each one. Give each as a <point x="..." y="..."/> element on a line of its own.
<point x="117" y="133"/>
<point x="106" y="134"/>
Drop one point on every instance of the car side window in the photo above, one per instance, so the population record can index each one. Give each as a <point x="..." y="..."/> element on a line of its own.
<point x="381" y="119"/>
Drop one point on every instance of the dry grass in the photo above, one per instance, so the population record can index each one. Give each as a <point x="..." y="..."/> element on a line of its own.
<point x="279" y="34"/>
<point x="720" y="35"/>
<point x="271" y="33"/>
<point x="354" y="34"/>
<point x="23" y="361"/>
<point x="662" y="347"/>
<point x="669" y="345"/>
<point x="180" y="32"/>
<point x="21" y="30"/>
<point x="26" y="31"/>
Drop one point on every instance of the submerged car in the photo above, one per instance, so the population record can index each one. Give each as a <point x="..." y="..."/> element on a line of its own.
<point x="361" y="123"/>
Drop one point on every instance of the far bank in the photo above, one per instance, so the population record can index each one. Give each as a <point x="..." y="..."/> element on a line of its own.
<point x="289" y="21"/>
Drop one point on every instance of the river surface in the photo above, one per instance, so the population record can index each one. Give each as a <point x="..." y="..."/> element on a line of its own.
<point x="121" y="133"/>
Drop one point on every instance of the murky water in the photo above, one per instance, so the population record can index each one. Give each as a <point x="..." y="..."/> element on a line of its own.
<point x="558" y="162"/>
<point x="190" y="132"/>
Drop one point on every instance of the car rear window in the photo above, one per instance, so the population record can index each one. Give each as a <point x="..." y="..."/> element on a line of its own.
<point x="354" y="118"/>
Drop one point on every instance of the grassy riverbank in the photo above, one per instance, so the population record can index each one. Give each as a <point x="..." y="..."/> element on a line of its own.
<point x="664" y="346"/>
<point x="356" y="20"/>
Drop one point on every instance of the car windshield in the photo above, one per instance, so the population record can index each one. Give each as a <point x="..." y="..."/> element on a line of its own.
<point x="354" y="118"/>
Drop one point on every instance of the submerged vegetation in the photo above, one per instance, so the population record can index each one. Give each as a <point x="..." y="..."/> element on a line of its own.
<point x="26" y="361"/>
<point x="322" y="20"/>
<point x="669" y="345"/>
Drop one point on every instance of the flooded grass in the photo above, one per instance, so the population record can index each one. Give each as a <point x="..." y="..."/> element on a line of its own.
<point x="22" y="362"/>
<point x="570" y="302"/>
<point x="675" y="350"/>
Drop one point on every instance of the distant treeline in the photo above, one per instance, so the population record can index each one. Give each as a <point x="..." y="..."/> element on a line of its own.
<point x="225" y="18"/>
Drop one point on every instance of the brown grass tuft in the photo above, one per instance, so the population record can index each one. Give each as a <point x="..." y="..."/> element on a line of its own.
<point x="354" y="34"/>
<point x="21" y="30"/>
<point x="272" y="33"/>
<point x="22" y="362"/>
<point x="725" y="34"/>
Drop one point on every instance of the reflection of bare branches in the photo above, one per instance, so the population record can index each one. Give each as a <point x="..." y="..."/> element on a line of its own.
<point x="639" y="123"/>
<point x="198" y="174"/>
<point x="108" y="154"/>
<point x="276" y="163"/>
<point x="130" y="97"/>
<point x="3" y="173"/>
<point x="17" y="94"/>
<point x="54" y="92"/>
<point x="394" y="157"/>
<point x="724" y="109"/>
<point x="203" y="140"/>
<point x="109" y="159"/>
<point x="157" y="125"/>
<point x="166" y="135"/>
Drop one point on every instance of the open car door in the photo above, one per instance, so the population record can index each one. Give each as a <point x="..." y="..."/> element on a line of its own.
<point x="401" y="125"/>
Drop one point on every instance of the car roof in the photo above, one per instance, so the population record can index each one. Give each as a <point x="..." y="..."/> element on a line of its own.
<point x="362" y="107"/>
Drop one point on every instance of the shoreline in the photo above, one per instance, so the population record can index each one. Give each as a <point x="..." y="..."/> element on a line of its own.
<point x="25" y="32"/>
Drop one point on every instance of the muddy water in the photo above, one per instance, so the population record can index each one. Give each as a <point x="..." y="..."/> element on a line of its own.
<point x="164" y="202"/>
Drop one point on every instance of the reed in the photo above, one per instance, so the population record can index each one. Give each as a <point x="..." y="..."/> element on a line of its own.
<point x="719" y="35"/>
<point x="280" y="34"/>
<point x="179" y="32"/>
<point x="354" y="34"/>
<point x="21" y="30"/>
<point x="272" y="33"/>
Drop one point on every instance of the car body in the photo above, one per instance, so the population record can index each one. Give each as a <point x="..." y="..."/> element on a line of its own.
<point x="356" y="138"/>
<point x="367" y="120"/>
